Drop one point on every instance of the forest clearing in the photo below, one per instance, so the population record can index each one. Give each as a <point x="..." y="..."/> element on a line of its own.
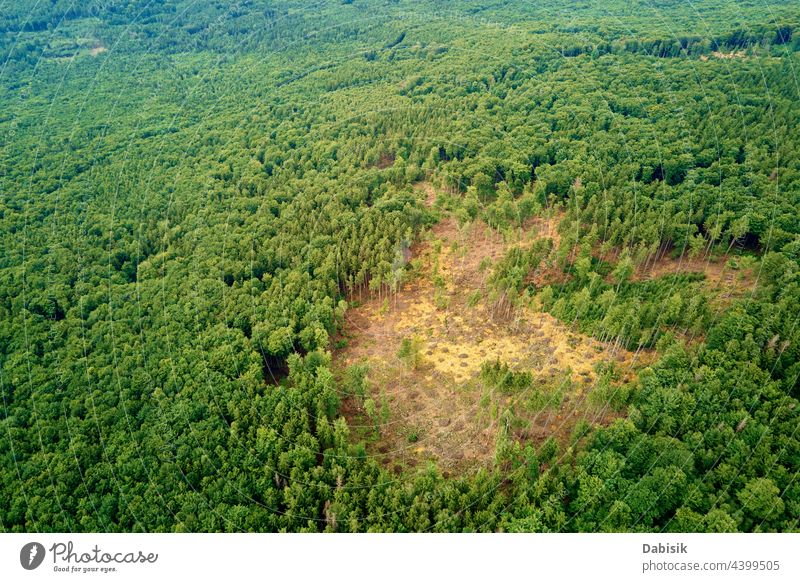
<point x="439" y="408"/>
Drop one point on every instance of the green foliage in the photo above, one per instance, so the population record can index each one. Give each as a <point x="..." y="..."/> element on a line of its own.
<point x="498" y="375"/>
<point x="371" y="410"/>
<point x="761" y="500"/>
<point x="634" y="315"/>
<point x="510" y="273"/>
<point x="355" y="380"/>
<point x="410" y="351"/>
<point x="606" y="393"/>
<point x="186" y="215"/>
<point x="474" y="298"/>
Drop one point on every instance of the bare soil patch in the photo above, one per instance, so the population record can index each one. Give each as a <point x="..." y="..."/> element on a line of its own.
<point x="441" y="410"/>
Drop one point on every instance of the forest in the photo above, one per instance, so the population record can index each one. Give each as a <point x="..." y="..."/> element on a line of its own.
<point x="204" y="204"/>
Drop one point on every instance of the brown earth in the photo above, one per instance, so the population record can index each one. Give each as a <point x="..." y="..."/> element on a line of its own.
<point x="440" y="409"/>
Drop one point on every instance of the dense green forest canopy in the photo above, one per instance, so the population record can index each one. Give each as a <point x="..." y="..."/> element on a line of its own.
<point x="192" y="192"/>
